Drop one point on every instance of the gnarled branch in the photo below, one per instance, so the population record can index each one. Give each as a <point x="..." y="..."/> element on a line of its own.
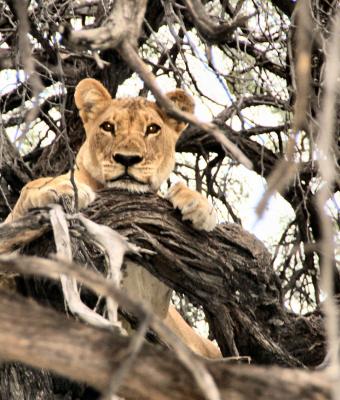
<point x="227" y="271"/>
<point x="45" y="339"/>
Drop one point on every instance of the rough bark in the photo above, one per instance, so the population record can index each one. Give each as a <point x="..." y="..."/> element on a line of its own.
<point x="227" y="271"/>
<point x="46" y="339"/>
<point x="19" y="382"/>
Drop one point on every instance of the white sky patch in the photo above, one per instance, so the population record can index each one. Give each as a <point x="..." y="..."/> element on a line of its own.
<point x="131" y="87"/>
<point x="9" y="79"/>
<point x="278" y="211"/>
<point x="270" y="225"/>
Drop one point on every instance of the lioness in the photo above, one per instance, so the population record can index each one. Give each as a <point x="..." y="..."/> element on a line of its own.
<point x="130" y="144"/>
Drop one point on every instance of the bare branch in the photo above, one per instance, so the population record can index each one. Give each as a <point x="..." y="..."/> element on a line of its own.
<point x="123" y="24"/>
<point x="105" y="288"/>
<point x="27" y="59"/>
<point x="209" y="29"/>
<point x="45" y="339"/>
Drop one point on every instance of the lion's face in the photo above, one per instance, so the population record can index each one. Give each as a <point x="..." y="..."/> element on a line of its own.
<point x="130" y="143"/>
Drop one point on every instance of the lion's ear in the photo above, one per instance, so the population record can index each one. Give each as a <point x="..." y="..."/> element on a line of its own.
<point x="185" y="103"/>
<point x="90" y="97"/>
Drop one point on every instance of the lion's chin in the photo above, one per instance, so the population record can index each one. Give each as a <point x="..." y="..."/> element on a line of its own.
<point x="129" y="185"/>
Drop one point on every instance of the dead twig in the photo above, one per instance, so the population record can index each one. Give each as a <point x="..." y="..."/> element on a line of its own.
<point x="69" y="285"/>
<point x="27" y="61"/>
<point x="208" y="28"/>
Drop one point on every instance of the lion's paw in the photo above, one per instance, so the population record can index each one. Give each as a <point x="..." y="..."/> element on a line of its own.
<point x="47" y="195"/>
<point x="193" y="206"/>
<point x="45" y="191"/>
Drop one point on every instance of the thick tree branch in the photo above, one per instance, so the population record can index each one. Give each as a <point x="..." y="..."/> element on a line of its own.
<point x="45" y="339"/>
<point x="227" y="271"/>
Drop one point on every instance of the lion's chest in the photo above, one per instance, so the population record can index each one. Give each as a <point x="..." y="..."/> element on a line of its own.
<point x="140" y="285"/>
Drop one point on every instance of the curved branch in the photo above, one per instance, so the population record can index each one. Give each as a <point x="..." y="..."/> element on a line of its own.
<point x="46" y="339"/>
<point x="227" y="271"/>
<point x="213" y="32"/>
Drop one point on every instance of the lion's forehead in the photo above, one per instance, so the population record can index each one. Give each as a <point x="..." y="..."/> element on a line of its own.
<point x="132" y="110"/>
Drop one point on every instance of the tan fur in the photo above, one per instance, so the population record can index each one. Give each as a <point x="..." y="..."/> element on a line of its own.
<point x="99" y="164"/>
<point x="197" y="343"/>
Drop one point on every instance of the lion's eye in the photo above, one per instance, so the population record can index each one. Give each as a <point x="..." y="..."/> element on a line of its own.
<point x="153" y="128"/>
<point x="107" y="127"/>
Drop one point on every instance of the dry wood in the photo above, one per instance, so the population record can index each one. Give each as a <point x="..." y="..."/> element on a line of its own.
<point x="227" y="271"/>
<point x="208" y="28"/>
<point x="44" y="338"/>
<point x="104" y="288"/>
<point x="69" y="285"/>
<point x="20" y="232"/>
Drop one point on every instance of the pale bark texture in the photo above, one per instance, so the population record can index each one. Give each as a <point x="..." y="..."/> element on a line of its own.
<point x="92" y="356"/>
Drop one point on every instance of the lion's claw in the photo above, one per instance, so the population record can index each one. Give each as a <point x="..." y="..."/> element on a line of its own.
<point x="193" y="206"/>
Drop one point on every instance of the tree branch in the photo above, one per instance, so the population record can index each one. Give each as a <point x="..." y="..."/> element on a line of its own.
<point x="45" y="339"/>
<point x="227" y="271"/>
<point x="209" y="29"/>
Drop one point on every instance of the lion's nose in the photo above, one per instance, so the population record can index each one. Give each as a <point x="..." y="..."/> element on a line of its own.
<point x="127" y="160"/>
